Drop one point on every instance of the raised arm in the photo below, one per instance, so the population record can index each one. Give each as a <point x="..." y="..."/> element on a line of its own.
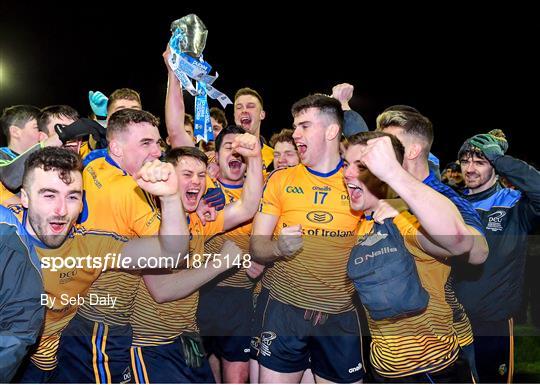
<point x="245" y="208"/>
<point x="444" y="231"/>
<point x="175" y="108"/>
<point x="159" y="179"/>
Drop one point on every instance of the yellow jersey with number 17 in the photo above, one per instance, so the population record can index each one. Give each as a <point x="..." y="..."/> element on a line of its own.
<point x="316" y="277"/>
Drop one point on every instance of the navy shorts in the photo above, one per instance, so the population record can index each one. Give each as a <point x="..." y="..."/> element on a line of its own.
<point x="290" y="343"/>
<point x="494" y="350"/>
<point x="257" y="322"/>
<point x="92" y="352"/>
<point x="166" y="364"/>
<point x="224" y="318"/>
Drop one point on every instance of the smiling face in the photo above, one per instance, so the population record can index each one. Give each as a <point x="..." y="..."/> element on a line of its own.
<point x="53" y="205"/>
<point x="365" y="189"/>
<point x="231" y="165"/>
<point x="248" y="114"/>
<point x="478" y="173"/>
<point x="191" y="174"/>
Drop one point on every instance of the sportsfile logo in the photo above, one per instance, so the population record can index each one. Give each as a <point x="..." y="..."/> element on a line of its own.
<point x="365" y="258"/>
<point x="294" y="190"/>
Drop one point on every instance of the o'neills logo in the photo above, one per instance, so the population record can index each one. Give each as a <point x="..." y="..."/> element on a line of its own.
<point x="384" y="250"/>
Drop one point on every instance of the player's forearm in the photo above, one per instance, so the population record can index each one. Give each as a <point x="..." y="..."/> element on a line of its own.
<point x="438" y="216"/>
<point x="174" y="286"/>
<point x="253" y="187"/>
<point x="480" y="249"/>
<point x="173" y="230"/>
<point x="175" y="114"/>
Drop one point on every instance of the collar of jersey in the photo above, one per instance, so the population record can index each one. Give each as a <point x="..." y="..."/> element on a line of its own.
<point x="8" y="151"/>
<point x="111" y="161"/>
<point x="231" y="186"/>
<point x="484" y="194"/>
<point x="102" y="153"/>
<point x="429" y="178"/>
<point x="326" y="174"/>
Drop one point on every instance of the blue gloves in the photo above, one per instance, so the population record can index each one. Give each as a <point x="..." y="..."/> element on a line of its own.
<point x="98" y="103"/>
<point x="214" y="197"/>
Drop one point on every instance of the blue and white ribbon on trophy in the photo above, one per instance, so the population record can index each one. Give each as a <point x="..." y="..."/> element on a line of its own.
<point x="186" y="68"/>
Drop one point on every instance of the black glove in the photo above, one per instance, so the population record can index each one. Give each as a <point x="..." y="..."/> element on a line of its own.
<point x="193" y="348"/>
<point x="81" y="128"/>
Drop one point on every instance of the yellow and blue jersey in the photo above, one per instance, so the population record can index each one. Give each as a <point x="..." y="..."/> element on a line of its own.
<point x="239" y="235"/>
<point x="114" y="202"/>
<point x="316" y="277"/>
<point x="422" y="343"/>
<point x="160" y="324"/>
<point x="66" y="286"/>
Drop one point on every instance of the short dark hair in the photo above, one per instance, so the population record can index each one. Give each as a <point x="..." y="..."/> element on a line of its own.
<point x="249" y="91"/>
<point x="53" y="158"/>
<point x="173" y="155"/>
<point x="123" y="94"/>
<point x="285" y="135"/>
<point x="119" y="121"/>
<point x="219" y="115"/>
<point x="413" y="123"/>
<point x="56" y="111"/>
<point x="17" y="116"/>
<point x="363" y="137"/>
<point x="227" y="130"/>
<point x="325" y="104"/>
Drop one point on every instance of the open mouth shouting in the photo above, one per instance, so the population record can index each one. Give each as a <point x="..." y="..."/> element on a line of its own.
<point x="192" y="197"/>
<point x="58" y="226"/>
<point x="245" y="121"/>
<point x="355" y="192"/>
<point x="302" y="148"/>
<point x="235" y="165"/>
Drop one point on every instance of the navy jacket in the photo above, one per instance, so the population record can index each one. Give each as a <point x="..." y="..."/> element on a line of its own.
<point x="21" y="312"/>
<point x="492" y="291"/>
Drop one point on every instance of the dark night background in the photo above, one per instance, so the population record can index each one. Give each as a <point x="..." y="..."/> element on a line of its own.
<point x="465" y="69"/>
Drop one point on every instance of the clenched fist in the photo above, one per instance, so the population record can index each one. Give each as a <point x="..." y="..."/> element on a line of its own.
<point x="290" y="240"/>
<point x="247" y="145"/>
<point x="157" y="178"/>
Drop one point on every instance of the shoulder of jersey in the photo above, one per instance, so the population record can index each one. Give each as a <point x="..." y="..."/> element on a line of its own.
<point x="284" y="172"/>
<point x="82" y="231"/>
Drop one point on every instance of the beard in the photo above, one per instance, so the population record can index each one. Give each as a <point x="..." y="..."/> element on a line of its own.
<point x="41" y="229"/>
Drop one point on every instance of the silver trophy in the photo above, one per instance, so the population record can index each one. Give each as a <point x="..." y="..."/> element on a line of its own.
<point x="195" y="33"/>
